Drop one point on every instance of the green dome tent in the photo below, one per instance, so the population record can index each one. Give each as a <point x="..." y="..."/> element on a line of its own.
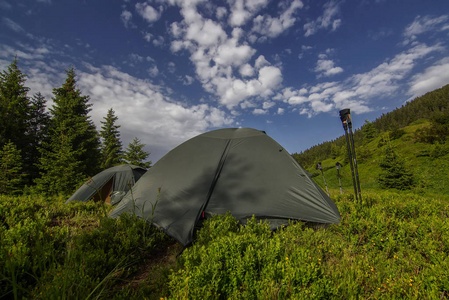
<point x="241" y="170"/>
<point x="110" y="185"/>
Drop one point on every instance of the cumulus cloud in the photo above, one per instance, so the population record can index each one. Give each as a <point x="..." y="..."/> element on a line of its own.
<point x="269" y="26"/>
<point x="327" y="20"/>
<point x="259" y="111"/>
<point x="223" y="63"/>
<point x="144" y="110"/>
<point x="126" y="17"/>
<point x="326" y="67"/>
<point x="244" y="10"/>
<point x="148" y="12"/>
<point x="187" y="80"/>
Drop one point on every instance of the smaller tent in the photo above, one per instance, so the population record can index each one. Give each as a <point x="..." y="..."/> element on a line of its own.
<point x="109" y="185"/>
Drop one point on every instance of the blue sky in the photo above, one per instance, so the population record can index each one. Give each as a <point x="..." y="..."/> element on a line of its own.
<point x="172" y="69"/>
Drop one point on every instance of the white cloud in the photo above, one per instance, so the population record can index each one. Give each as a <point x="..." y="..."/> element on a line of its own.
<point x="425" y="24"/>
<point x="126" y="17"/>
<point x="272" y="27"/>
<point x="259" y="111"/>
<point x="359" y="90"/>
<point x="12" y="25"/>
<point x="148" y="12"/>
<point x="223" y="63"/>
<point x="326" y="67"/>
<point x="159" y="41"/>
<point x="145" y="111"/>
<point x="153" y="71"/>
<point x="385" y="77"/>
<point x="221" y="12"/>
<point x="432" y="78"/>
<point x="147" y="36"/>
<point x="280" y="111"/>
<point x="188" y="80"/>
<point x="246" y="70"/>
<point x="328" y="19"/>
<point x="268" y="104"/>
<point x="244" y="10"/>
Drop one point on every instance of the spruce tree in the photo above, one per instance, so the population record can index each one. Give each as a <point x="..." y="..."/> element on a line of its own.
<point x="72" y="152"/>
<point x="394" y="173"/>
<point x="10" y="169"/>
<point x="14" y="107"/>
<point x="111" y="149"/>
<point x="135" y="154"/>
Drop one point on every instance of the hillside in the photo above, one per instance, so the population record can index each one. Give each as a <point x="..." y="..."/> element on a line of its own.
<point x="417" y="132"/>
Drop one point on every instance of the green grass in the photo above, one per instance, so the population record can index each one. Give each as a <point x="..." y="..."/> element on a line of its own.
<point x="395" y="245"/>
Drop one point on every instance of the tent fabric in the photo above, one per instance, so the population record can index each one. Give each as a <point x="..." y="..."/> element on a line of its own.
<point x="113" y="182"/>
<point x="241" y="170"/>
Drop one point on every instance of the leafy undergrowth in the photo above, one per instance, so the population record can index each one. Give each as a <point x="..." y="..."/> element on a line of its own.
<point x="395" y="245"/>
<point x="52" y="250"/>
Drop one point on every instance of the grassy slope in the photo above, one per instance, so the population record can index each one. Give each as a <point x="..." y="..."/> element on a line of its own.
<point x="430" y="173"/>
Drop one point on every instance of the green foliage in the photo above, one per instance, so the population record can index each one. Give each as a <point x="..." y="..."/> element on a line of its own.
<point x="111" y="149"/>
<point x="369" y="131"/>
<point x="72" y="152"/>
<point x="394" y="246"/>
<point x="10" y="169"/>
<point x="396" y="133"/>
<point x="437" y="132"/>
<point x="38" y="123"/>
<point x="394" y="174"/>
<point x="51" y="250"/>
<point x="135" y="154"/>
<point x="14" y="107"/>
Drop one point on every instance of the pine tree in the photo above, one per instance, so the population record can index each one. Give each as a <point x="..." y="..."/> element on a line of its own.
<point x="38" y="124"/>
<point x="111" y="149"/>
<point x="14" y="107"/>
<point x="394" y="171"/>
<point x="10" y="169"/>
<point x="135" y="154"/>
<point x="72" y="152"/>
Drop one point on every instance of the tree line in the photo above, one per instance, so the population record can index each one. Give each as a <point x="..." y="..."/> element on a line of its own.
<point x="53" y="151"/>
